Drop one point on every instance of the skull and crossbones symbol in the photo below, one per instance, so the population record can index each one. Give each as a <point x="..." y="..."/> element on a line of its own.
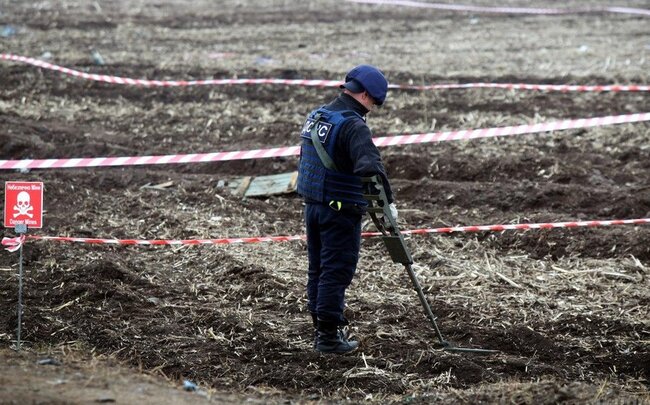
<point x="23" y="205"/>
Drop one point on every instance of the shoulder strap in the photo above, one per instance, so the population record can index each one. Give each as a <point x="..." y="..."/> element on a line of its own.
<point x="322" y="153"/>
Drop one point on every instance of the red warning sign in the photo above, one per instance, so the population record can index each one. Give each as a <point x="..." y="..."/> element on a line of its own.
<point x="23" y="204"/>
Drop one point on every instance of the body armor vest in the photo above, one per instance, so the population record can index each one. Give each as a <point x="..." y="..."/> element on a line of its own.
<point x="316" y="182"/>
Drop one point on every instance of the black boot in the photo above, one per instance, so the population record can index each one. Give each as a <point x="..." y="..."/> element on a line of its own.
<point x="332" y="339"/>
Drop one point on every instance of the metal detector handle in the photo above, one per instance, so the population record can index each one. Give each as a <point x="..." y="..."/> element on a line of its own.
<point x="378" y="204"/>
<point x="386" y="224"/>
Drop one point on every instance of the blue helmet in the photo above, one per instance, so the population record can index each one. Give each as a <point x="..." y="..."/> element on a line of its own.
<point x="367" y="78"/>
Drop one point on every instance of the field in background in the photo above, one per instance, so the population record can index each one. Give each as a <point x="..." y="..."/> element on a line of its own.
<point x="567" y="308"/>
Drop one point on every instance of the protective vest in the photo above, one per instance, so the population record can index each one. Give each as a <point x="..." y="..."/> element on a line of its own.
<point x="316" y="181"/>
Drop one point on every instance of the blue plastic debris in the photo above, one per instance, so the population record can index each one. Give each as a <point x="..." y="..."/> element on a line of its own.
<point x="97" y="58"/>
<point x="263" y="60"/>
<point x="189" y="386"/>
<point x="8" y="31"/>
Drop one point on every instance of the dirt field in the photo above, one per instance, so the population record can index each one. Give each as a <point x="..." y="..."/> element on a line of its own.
<point x="568" y="309"/>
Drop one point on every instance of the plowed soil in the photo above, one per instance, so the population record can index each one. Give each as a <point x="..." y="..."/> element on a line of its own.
<point x="567" y="309"/>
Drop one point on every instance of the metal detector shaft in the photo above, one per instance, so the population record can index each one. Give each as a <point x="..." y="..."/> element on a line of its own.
<point x="424" y="302"/>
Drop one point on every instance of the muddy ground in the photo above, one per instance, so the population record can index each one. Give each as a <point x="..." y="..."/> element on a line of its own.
<point x="568" y="309"/>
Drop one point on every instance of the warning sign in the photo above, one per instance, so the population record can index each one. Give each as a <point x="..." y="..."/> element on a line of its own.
<point x="23" y="204"/>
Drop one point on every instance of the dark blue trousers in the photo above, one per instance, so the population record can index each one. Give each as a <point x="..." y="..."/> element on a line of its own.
<point x="333" y="242"/>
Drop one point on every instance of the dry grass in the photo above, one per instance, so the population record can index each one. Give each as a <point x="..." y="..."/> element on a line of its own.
<point x="568" y="309"/>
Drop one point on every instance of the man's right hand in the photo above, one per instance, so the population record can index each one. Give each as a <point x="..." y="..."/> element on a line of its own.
<point x="393" y="211"/>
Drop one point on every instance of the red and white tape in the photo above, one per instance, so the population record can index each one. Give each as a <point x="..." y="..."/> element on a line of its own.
<point x="508" y="10"/>
<point x="15" y="243"/>
<point x="525" y="86"/>
<point x="317" y="82"/>
<point x="295" y="150"/>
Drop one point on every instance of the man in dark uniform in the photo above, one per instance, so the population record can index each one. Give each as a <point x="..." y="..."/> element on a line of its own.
<point x="337" y="150"/>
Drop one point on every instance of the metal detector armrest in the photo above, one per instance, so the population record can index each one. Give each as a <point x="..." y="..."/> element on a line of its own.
<point x="397" y="249"/>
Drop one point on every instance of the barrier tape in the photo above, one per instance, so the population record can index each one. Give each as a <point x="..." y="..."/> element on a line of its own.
<point x="508" y="10"/>
<point x="295" y="150"/>
<point x="317" y="82"/>
<point x="525" y="86"/>
<point x="15" y="243"/>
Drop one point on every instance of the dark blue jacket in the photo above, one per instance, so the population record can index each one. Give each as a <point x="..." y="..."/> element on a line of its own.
<point x="352" y="150"/>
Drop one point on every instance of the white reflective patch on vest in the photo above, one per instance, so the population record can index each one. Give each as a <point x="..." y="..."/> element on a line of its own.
<point x="323" y="129"/>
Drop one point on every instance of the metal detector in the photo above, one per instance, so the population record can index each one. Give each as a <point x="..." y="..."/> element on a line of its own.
<point x="399" y="253"/>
